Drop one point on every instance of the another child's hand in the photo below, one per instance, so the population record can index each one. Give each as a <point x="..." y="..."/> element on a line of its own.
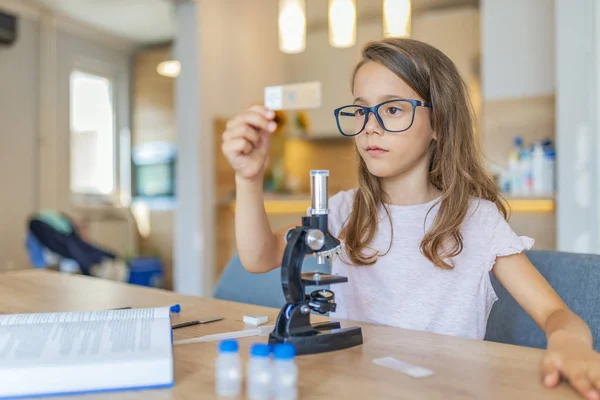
<point x="571" y="358"/>
<point x="246" y="141"/>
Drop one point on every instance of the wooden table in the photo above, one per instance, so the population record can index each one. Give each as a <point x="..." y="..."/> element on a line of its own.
<point x="464" y="369"/>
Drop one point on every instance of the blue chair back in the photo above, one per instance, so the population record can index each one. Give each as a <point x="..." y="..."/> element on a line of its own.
<point x="576" y="279"/>
<point x="239" y="285"/>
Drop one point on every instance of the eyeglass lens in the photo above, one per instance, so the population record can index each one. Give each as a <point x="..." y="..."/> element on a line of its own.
<point x="396" y="116"/>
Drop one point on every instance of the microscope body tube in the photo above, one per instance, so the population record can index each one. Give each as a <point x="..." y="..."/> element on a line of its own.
<point x="318" y="189"/>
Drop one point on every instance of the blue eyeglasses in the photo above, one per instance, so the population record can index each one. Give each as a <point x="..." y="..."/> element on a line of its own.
<point x="393" y="116"/>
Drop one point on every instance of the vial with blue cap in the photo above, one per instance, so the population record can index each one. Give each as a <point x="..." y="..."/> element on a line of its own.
<point x="259" y="372"/>
<point x="228" y="370"/>
<point x="285" y="372"/>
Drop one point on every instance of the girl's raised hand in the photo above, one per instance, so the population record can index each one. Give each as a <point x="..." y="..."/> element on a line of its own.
<point x="246" y="141"/>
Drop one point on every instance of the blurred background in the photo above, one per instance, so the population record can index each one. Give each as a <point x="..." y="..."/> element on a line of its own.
<point x="111" y="113"/>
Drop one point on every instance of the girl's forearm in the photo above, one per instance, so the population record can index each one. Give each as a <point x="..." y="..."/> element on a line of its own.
<point x="256" y="244"/>
<point x="563" y="323"/>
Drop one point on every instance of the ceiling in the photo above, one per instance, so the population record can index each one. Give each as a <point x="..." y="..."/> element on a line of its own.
<point x="152" y="21"/>
<point x="142" y="21"/>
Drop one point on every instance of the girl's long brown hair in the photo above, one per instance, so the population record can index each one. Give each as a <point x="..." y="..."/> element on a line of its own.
<point x="456" y="165"/>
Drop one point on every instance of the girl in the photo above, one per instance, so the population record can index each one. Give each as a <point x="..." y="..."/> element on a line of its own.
<point x="426" y="224"/>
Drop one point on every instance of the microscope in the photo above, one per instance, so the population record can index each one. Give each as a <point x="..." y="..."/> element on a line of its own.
<point x="311" y="239"/>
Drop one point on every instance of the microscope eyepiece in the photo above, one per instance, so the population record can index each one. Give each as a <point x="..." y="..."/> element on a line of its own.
<point x="318" y="190"/>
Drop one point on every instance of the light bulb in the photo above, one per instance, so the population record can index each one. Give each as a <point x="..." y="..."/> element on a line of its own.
<point x="292" y="26"/>
<point x="342" y="23"/>
<point x="170" y="68"/>
<point x="396" y="18"/>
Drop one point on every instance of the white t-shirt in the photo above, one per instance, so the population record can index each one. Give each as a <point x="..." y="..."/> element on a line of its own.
<point x="404" y="289"/>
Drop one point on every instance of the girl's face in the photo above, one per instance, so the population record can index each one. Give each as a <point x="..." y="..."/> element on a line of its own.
<point x="391" y="154"/>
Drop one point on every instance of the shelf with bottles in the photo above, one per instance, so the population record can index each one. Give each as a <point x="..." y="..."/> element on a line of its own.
<point x="530" y="204"/>
<point x="298" y="204"/>
<point x="530" y="170"/>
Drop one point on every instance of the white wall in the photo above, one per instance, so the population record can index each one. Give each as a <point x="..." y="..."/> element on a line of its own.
<point x="229" y="53"/>
<point x="578" y="127"/>
<point x="19" y="124"/>
<point x="517" y="48"/>
<point x="191" y="253"/>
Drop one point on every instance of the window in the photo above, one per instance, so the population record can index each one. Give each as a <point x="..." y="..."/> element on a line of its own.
<point x="93" y="150"/>
<point x="154" y="174"/>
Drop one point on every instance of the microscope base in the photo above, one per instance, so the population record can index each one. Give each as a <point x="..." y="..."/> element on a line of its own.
<point x="322" y="342"/>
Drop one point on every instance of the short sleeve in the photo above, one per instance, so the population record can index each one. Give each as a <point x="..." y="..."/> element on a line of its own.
<point x="501" y="239"/>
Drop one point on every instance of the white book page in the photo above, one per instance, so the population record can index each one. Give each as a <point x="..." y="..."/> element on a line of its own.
<point x="84" y="337"/>
<point x="107" y="315"/>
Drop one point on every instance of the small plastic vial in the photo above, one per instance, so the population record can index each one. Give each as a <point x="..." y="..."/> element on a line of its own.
<point x="285" y="373"/>
<point x="228" y="370"/>
<point x="259" y="372"/>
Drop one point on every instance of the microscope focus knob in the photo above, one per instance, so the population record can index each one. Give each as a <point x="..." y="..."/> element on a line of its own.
<point x="315" y="239"/>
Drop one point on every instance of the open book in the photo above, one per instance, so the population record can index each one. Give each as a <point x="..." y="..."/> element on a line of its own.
<point x="85" y="352"/>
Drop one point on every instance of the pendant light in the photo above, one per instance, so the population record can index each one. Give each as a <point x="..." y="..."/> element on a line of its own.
<point x="292" y="26"/>
<point x="342" y="23"/>
<point x="169" y="68"/>
<point x="396" y="18"/>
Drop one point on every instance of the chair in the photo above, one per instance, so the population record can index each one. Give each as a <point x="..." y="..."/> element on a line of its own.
<point x="576" y="279"/>
<point x="237" y="284"/>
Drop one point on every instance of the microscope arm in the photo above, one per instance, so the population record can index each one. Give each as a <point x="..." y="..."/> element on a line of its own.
<point x="291" y="266"/>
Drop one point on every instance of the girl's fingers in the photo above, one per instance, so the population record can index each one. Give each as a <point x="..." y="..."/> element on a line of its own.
<point x="584" y="387"/>
<point x="269" y="114"/>
<point x="550" y="372"/>
<point x="237" y="146"/>
<point x="577" y="377"/>
<point x="258" y="120"/>
<point x="242" y="131"/>
<point x="593" y="374"/>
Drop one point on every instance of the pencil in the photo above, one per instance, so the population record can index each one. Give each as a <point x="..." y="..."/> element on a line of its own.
<point x="184" y="324"/>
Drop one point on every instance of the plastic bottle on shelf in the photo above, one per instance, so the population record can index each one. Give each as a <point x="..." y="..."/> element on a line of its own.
<point x="228" y="370"/>
<point x="514" y="170"/>
<point x="525" y="167"/>
<point x="518" y="143"/>
<point x="285" y="373"/>
<point x="549" y="172"/>
<point x="259" y="372"/>
<point x="538" y="170"/>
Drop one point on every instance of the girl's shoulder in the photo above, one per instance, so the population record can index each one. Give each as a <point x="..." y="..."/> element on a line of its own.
<point x="483" y="210"/>
<point x="340" y="207"/>
<point x="488" y="227"/>
<point x="342" y="200"/>
<point x="483" y="217"/>
<point x="487" y="224"/>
